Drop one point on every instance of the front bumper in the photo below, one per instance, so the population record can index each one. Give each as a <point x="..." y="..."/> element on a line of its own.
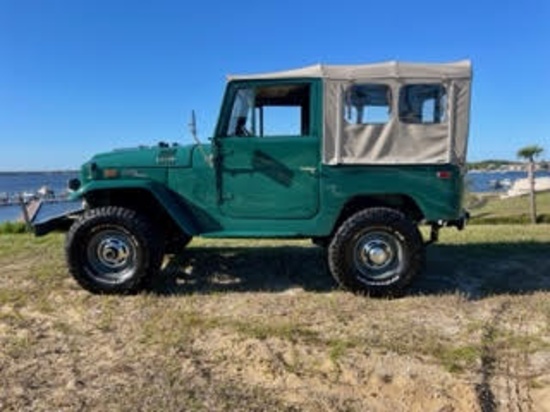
<point x="56" y="217"/>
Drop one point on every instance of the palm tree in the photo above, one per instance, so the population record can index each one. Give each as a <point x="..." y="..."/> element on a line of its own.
<point x="529" y="153"/>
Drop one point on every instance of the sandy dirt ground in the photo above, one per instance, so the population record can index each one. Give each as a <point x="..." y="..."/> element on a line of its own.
<point x="257" y="326"/>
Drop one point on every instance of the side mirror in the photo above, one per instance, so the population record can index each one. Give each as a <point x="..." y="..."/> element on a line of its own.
<point x="193" y="130"/>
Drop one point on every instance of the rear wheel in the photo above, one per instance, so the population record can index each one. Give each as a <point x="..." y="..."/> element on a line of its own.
<point x="113" y="250"/>
<point x="376" y="251"/>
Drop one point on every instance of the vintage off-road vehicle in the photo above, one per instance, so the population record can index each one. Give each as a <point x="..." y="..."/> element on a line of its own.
<point x="353" y="157"/>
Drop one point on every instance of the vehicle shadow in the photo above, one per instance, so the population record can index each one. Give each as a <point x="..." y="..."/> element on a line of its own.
<point x="482" y="269"/>
<point x="474" y="270"/>
<point x="245" y="269"/>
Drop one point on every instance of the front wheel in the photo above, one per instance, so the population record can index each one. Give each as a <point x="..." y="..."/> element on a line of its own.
<point x="112" y="250"/>
<point x="376" y="251"/>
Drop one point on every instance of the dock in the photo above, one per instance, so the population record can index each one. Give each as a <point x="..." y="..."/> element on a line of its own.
<point x="32" y="209"/>
<point x="31" y="206"/>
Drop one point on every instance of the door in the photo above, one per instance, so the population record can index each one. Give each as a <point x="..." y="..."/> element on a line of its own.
<point x="269" y="151"/>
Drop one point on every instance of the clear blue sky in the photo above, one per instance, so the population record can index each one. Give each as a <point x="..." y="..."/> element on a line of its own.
<point x="84" y="76"/>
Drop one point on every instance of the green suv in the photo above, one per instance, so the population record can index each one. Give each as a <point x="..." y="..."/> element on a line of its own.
<point x="353" y="157"/>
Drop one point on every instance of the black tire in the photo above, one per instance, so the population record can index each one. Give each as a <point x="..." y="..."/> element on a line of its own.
<point x="113" y="250"/>
<point x="376" y="251"/>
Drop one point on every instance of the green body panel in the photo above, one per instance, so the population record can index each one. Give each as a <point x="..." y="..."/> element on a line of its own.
<point x="273" y="178"/>
<point x="270" y="186"/>
<point x="146" y="157"/>
<point x="437" y="198"/>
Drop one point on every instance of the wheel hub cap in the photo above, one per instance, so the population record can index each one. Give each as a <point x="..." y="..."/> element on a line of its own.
<point x="376" y="254"/>
<point x="113" y="252"/>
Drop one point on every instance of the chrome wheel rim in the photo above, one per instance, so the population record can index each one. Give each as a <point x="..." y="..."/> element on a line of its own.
<point x="111" y="255"/>
<point x="378" y="257"/>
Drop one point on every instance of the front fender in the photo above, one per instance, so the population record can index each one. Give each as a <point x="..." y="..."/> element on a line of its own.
<point x="173" y="204"/>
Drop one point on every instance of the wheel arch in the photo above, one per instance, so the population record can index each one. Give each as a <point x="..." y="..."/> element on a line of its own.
<point x="400" y="202"/>
<point x="162" y="206"/>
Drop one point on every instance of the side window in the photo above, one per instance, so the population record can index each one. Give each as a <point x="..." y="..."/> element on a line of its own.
<point x="368" y="104"/>
<point x="241" y="114"/>
<point x="274" y="110"/>
<point x="423" y="104"/>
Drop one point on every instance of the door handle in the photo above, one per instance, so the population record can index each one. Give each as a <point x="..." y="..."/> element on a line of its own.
<point x="311" y="170"/>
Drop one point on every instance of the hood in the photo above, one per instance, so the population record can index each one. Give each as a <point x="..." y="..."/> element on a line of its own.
<point x="146" y="157"/>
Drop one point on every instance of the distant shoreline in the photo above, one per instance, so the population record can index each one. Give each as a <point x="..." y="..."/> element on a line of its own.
<point x="38" y="172"/>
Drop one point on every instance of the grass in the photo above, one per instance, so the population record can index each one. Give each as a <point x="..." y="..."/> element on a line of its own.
<point x="490" y="209"/>
<point x="259" y="325"/>
<point x="458" y="359"/>
<point x="12" y="227"/>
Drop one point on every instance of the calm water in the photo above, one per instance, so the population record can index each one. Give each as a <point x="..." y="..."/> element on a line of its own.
<point x="15" y="183"/>
<point x="481" y="182"/>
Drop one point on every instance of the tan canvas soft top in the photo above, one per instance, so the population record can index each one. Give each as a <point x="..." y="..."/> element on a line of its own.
<point x="384" y="70"/>
<point x="395" y="141"/>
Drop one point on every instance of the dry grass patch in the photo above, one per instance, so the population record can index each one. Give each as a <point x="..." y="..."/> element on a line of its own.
<point x="260" y="325"/>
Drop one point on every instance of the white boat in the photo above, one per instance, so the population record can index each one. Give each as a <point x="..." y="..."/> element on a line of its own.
<point x="46" y="193"/>
<point x="28" y="196"/>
